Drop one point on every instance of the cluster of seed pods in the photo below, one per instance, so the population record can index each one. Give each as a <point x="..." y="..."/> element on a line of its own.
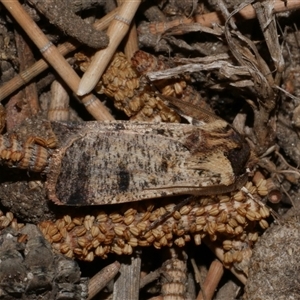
<point x="232" y="219"/>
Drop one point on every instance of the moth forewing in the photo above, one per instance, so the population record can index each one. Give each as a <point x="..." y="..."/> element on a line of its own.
<point x="115" y="162"/>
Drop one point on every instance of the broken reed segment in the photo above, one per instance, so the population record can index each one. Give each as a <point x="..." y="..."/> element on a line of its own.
<point x="41" y="65"/>
<point x="131" y="44"/>
<point x="59" y="104"/>
<point x="102" y="278"/>
<point x="212" y="280"/>
<point x="55" y="59"/>
<point x="274" y="191"/>
<point x="224" y="219"/>
<point x="116" y="32"/>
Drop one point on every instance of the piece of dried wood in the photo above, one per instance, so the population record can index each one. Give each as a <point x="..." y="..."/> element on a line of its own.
<point x="127" y="285"/>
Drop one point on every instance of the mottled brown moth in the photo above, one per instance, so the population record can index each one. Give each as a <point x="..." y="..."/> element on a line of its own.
<point x="98" y="163"/>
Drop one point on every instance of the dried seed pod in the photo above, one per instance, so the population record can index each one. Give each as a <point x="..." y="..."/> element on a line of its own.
<point x="214" y="211"/>
<point x="263" y="224"/>
<point x="174" y="279"/>
<point x="103" y="233"/>
<point x="130" y="94"/>
<point x="145" y="62"/>
<point x="30" y="155"/>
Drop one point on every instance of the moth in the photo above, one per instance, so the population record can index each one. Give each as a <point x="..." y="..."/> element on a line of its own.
<point x="97" y="163"/>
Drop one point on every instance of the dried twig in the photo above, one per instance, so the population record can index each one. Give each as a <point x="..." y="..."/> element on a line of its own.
<point x="224" y="67"/>
<point x="52" y="55"/>
<point x="102" y="278"/>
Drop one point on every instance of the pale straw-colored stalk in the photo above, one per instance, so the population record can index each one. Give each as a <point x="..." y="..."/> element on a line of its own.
<point x="131" y="44"/>
<point x="214" y="275"/>
<point x="116" y="32"/>
<point x="59" y="103"/>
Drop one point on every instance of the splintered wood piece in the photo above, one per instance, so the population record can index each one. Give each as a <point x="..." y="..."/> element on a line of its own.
<point x="127" y="285"/>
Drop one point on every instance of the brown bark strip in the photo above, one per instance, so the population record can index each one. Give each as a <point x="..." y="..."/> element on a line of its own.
<point x="60" y="15"/>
